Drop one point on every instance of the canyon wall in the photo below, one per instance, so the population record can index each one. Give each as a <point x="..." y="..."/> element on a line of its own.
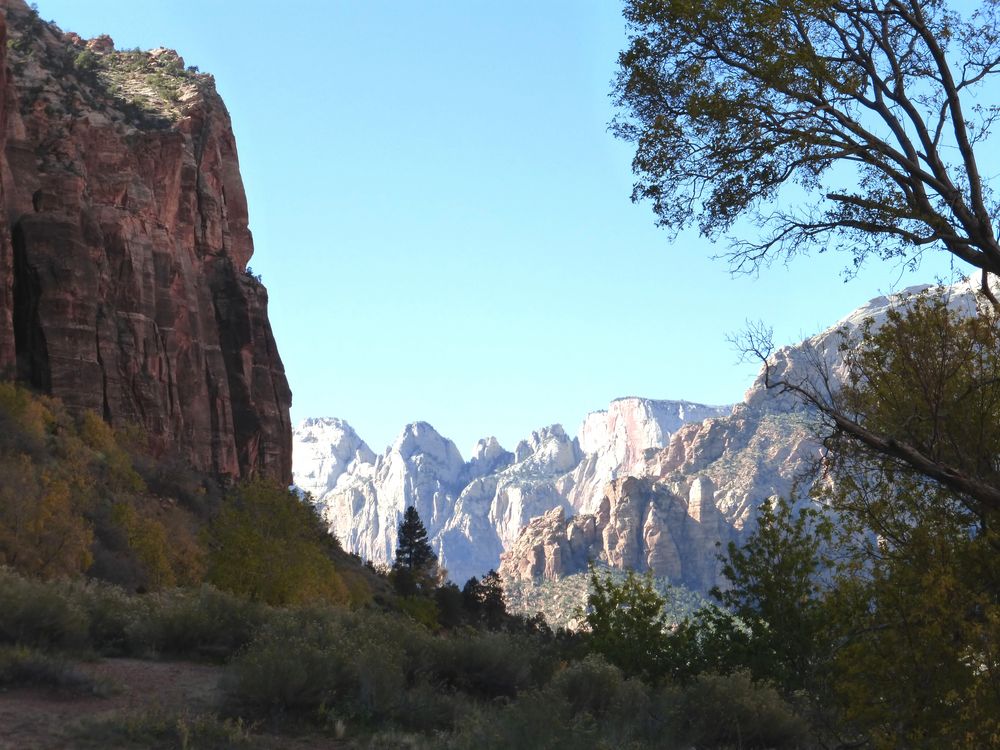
<point x="124" y="247"/>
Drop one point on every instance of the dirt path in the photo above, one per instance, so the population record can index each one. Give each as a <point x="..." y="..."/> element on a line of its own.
<point x="39" y="719"/>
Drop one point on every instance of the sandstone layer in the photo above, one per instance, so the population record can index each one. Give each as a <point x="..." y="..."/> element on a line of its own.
<point x="124" y="248"/>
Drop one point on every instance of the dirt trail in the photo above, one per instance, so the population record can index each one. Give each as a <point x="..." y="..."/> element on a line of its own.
<point x="38" y="719"/>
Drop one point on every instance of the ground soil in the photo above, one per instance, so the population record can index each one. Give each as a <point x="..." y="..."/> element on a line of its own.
<point x="42" y="719"/>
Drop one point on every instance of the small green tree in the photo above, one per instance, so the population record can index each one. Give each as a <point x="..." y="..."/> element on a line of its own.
<point x="771" y="620"/>
<point x="627" y="623"/>
<point x="415" y="568"/>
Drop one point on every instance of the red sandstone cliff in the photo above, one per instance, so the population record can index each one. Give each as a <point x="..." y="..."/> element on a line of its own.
<point x="124" y="248"/>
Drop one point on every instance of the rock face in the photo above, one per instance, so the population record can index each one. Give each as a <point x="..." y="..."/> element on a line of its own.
<point x="124" y="248"/>
<point x="640" y="525"/>
<point x="618" y="441"/>
<point x="704" y="487"/>
<point x="474" y="511"/>
<point x="328" y="448"/>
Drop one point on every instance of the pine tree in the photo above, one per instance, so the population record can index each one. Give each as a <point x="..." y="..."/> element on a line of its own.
<point x="416" y="564"/>
<point x="493" y="600"/>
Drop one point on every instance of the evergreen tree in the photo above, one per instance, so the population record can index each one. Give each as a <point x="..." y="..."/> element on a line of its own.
<point x="472" y="598"/>
<point x="492" y="600"/>
<point x="415" y="567"/>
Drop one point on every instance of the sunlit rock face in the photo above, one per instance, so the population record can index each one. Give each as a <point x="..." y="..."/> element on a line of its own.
<point x="124" y="247"/>
<point x="646" y="485"/>
<point x="639" y="525"/>
<point x="617" y="442"/>
<point x="473" y="510"/>
<point x="325" y="449"/>
<point x="704" y="487"/>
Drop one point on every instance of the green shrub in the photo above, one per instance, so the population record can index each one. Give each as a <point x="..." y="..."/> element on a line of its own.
<point x="426" y="707"/>
<point x="538" y="719"/>
<point x="421" y="610"/>
<point x="160" y="729"/>
<point x="112" y="615"/>
<point x="720" y="711"/>
<point x="24" y="667"/>
<point x="310" y="662"/>
<point x="590" y="686"/>
<point x="202" y="623"/>
<point x="489" y="665"/>
<point x="595" y="689"/>
<point x="36" y="613"/>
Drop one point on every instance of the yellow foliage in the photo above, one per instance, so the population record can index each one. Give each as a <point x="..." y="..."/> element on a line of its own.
<point x="41" y="532"/>
<point x="116" y="463"/>
<point x="267" y="545"/>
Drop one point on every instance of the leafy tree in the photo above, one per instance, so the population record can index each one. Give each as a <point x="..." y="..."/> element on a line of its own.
<point x="415" y="567"/>
<point x="917" y="605"/>
<point x="42" y="530"/>
<point x="772" y="620"/>
<point x="485" y="601"/>
<point x="866" y="106"/>
<point x="268" y="545"/>
<point x="627" y="623"/>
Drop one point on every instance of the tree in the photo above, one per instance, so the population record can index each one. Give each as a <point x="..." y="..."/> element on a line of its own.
<point x="773" y="620"/>
<point x="865" y="105"/>
<point x="627" y="623"/>
<point x="415" y="567"/>
<point x="268" y="545"/>
<point x="917" y="603"/>
<point x="472" y="598"/>
<point x="493" y="600"/>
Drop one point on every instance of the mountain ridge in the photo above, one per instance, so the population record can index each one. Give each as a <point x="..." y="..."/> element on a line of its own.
<point x="473" y="509"/>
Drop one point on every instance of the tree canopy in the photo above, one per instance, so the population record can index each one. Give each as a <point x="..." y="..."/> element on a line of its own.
<point x="867" y="105"/>
<point x="917" y="602"/>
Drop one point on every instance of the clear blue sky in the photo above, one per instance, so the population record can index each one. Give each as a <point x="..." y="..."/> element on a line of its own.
<point x="443" y="221"/>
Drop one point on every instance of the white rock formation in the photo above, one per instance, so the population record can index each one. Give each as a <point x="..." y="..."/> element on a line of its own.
<point x="421" y="468"/>
<point x="474" y="511"/>
<point x="323" y="450"/>
<point x="617" y="442"/>
<point x="704" y="487"/>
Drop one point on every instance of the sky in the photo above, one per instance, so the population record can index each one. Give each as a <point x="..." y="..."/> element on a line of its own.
<point x="444" y="223"/>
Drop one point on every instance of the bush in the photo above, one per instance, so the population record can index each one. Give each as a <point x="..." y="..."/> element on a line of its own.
<point x="537" y="719"/>
<point x="24" y="667"/>
<point x="204" y="623"/>
<point x="590" y="686"/>
<point x="35" y="613"/>
<point x="716" y="711"/>
<point x="489" y="665"/>
<point x="111" y="614"/>
<point x="162" y="729"/>
<point x="310" y="661"/>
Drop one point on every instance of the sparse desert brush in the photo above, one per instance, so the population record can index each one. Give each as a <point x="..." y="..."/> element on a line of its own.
<point x="196" y="623"/>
